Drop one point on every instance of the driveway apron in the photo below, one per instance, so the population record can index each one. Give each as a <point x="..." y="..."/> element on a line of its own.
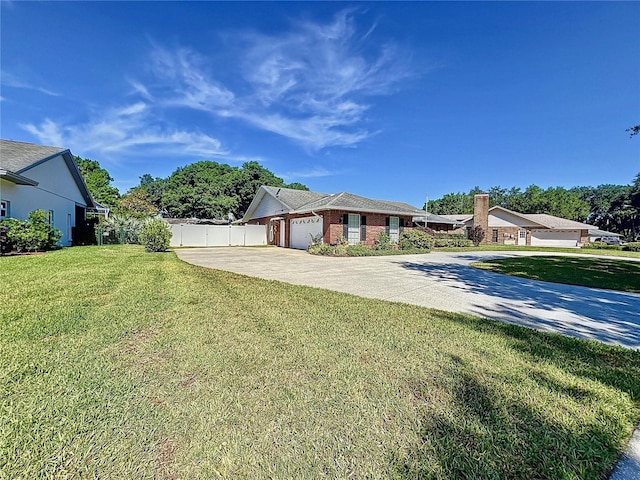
<point x="444" y="281"/>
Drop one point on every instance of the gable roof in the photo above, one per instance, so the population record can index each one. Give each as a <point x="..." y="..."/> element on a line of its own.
<point x="304" y="201"/>
<point x="356" y="203"/>
<point x="16" y="158"/>
<point x="291" y="198"/>
<point x="542" y="220"/>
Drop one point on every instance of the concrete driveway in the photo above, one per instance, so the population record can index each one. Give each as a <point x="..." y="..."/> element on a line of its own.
<point x="444" y="281"/>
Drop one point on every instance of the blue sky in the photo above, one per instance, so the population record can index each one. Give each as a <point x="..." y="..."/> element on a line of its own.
<point x="389" y="100"/>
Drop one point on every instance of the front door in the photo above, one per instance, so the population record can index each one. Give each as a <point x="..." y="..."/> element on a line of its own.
<point x="522" y="237"/>
<point x="274" y="232"/>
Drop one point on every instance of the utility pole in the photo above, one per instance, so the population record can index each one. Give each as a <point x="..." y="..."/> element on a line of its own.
<point x="426" y="210"/>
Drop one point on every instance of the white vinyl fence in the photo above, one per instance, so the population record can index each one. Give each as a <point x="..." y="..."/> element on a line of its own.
<point x="187" y="235"/>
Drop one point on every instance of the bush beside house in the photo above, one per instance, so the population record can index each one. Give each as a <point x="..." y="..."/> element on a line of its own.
<point x="32" y="235"/>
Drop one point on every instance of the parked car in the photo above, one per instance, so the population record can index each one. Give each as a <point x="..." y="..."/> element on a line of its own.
<point x="610" y="240"/>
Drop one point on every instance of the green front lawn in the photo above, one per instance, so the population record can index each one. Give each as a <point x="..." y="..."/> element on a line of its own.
<point x="514" y="248"/>
<point x="119" y="364"/>
<point x="589" y="272"/>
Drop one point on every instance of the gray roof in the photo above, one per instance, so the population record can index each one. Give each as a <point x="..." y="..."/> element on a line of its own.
<point x="433" y="218"/>
<point x="294" y="199"/>
<point x="551" y="221"/>
<point x="18" y="156"/>
<point x="602" y="233"/>
<point x="303" y="201"/>
<point x="459" y="218"/>
<point x="356" y="203"/>
<point x="544" y="220"/>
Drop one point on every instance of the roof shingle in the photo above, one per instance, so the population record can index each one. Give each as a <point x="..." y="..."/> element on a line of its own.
<point x="18" y="156"/>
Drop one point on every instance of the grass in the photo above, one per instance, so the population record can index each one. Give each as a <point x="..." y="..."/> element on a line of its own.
<point x="512" y="248"/>
<point x="119" y="364"/>
<point x="589" y="272"/>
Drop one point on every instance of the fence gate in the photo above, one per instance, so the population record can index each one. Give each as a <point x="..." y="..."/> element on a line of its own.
<point x="188" y="235"/>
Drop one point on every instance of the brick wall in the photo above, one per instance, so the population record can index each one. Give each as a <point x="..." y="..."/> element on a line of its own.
<point x="376" y="223"/>
<point x="481" y="214"/>
<point x="333" y="228"/>
<point x="506" y="235"/>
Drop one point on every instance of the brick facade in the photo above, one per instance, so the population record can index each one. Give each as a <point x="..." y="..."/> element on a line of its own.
<point x="333" y="226"/>
<point x="481" y="214"/>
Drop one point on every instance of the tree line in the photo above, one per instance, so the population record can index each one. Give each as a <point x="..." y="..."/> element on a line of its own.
<point x="209" y="190"/>
<point x="204" y="190"/>
<point x="614" y="208"/>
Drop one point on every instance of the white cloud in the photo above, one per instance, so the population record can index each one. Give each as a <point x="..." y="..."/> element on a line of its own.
<point x="313" y="173"/>
<point x="308" y="84"/>
<point x="10" y="80"/>
<point x="125" y="130"/>
<point x="189" y="86"/>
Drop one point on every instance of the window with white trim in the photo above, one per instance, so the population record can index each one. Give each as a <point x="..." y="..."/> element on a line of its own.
<point x="353" y="230"/>
<point x="4" y="208"/>
<point x="394" y="228"/>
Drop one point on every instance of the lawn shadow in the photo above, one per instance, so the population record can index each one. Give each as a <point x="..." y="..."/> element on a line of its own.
<point x="606" y="316"/>
<point x="481" y="425"/>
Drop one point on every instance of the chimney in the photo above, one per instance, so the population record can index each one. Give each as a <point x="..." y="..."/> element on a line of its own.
<point x="481" y="213"/>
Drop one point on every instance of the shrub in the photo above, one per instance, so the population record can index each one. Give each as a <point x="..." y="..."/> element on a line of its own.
<point x="32" y="235"/>
<point x="415" y="240"/>
<point x="5" y="244"/>
<point x="362" y="250"/>
<point x="155" y="235"/>
<point x="315" y="240"/>
<point x="476" y="235"/>
<point x="119" y="228"/>
<point x="452" y="242"/>
<point x="632" y="247"/>
<point x="342" y="240"/>
<point x="383" y="242"/>
<point x="322" y="249"/>
<point x="602" y="246"/>
<point x="457" y="236"/>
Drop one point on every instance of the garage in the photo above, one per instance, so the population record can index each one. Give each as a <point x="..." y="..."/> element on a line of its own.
<point x="302" y="229"/>
<point x="555" y="238"/>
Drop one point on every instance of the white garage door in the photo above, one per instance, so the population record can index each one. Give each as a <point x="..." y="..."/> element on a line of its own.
<point x="555" y="238"/>
<point x="302" y="229"/>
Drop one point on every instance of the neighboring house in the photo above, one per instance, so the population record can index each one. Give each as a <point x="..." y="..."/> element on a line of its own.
<point x="293" y="217"/>
<point x="36" y="177"/>
<point x="503" y="226"/>
<point x="598" y="235"/>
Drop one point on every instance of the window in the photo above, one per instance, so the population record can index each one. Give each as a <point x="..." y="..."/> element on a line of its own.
<point x="51" y="217"/>
<point x="394" y="228"/>
<point x="4" y="208"/>
<point x="494" y="235"/>
<point x="353" y="230"/>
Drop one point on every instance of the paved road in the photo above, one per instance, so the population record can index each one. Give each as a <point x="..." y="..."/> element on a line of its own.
<point x="445" y="281"/>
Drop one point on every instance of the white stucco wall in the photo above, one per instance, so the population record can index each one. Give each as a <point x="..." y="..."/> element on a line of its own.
<point x="56" y="191"/>
<point x="504" y="219"/>
<point x="268" y="207"/>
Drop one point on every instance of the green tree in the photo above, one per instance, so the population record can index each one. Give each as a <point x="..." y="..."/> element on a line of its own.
<point x="209" y="190"/>
<point x="136" y="203"/>
<point x="98" y="182"/>
<point x="155" y="188"/>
